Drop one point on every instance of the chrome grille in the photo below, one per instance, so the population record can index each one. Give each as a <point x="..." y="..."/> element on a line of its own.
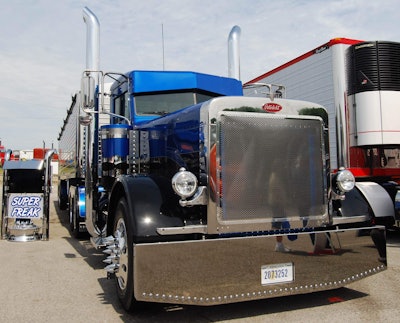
<point x="272" y="167"/>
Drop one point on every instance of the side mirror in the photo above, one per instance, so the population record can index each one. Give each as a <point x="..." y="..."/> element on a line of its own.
<point x="85" y="120"/>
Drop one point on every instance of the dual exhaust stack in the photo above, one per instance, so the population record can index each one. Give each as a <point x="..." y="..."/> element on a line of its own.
<point x="93" y="45"/>
<point x="90" y="83"/>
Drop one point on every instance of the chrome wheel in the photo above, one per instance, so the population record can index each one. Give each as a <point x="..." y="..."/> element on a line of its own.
<point x="120" y="259"/>
<point x="121" y="254"/>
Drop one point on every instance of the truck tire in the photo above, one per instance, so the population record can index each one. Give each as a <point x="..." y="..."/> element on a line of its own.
<point x="74" y="218"/>
<point x="123" y="233"/>
<point x="62" y="195"/>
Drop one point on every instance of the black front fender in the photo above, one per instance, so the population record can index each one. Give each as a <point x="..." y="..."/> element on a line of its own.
<point x="145" y="198"/>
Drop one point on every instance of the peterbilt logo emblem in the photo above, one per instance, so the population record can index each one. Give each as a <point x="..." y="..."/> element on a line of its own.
<point x="272" y="107"/>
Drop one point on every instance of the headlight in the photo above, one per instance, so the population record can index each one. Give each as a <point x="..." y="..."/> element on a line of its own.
<point x="184" y="183"/>
<point x="345" y="180"/>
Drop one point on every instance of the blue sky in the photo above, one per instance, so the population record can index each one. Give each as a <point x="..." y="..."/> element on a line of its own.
<point x="42" y="45"/>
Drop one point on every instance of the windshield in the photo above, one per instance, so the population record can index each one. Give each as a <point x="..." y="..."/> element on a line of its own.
<point x="164" y="103"/>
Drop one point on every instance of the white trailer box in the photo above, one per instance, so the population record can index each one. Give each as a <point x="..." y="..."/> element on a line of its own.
<point x="359" y="83"/>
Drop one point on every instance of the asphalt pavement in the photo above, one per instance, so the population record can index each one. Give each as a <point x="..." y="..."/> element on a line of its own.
<point x="63" y="280"/>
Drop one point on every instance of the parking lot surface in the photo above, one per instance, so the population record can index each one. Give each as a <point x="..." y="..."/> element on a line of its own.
<point x="63" y="280"/>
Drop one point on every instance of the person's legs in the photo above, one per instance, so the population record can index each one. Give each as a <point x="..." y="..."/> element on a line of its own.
<point x="280" y="247"/>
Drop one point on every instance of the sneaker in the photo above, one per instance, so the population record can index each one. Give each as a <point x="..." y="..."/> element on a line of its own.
<point x="280" y="247"/>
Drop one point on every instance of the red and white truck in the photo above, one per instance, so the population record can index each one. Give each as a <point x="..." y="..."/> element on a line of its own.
<point x="2" y="154"/>
<point x="359" y="83"/>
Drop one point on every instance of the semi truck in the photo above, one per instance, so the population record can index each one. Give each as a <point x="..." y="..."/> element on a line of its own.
<point x="199" y="195"/>
<point x="359" y="83"/>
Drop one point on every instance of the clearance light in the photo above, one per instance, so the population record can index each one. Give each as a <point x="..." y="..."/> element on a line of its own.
<point x="345" y="180"/>
<point x="184" y="183"/>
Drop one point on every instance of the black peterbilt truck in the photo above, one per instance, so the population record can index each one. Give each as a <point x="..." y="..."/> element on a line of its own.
<point x="202" y="196"/>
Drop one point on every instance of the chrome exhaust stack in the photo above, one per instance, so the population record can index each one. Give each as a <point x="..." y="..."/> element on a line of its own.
<point x="234" y="53"/>
<point x="92" y="40"/>
<point x="90" y="82"/>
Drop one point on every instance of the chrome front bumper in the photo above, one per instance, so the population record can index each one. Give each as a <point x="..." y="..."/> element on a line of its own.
<point x="218" y="271"/>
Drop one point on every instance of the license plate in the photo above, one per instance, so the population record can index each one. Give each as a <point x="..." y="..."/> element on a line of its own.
<point x="277" y="273"/>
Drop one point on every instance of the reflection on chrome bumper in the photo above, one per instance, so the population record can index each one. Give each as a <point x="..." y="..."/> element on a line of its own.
<point x="219" y="271"/>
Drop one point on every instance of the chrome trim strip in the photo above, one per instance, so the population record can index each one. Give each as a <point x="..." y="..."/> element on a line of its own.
<point x="183" y="230"/>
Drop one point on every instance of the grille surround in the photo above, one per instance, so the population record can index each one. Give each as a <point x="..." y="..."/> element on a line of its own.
<point x="258" y="191"/>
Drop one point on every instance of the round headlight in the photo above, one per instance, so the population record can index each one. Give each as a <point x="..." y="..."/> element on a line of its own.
<point x="345" y="180"/>
<point x="184" y="183"/>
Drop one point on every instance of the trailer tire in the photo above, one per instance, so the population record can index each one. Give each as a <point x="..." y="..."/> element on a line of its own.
<point x="74" y="218"/>
<point x="123" y="232"/>
<point x="63" y="195"/>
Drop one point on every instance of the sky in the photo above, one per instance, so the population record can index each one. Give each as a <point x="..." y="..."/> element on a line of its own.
<point x="42" y="46"/>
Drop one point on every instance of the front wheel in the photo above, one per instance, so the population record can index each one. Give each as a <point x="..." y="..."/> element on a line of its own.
<point x="124" y="242"/>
